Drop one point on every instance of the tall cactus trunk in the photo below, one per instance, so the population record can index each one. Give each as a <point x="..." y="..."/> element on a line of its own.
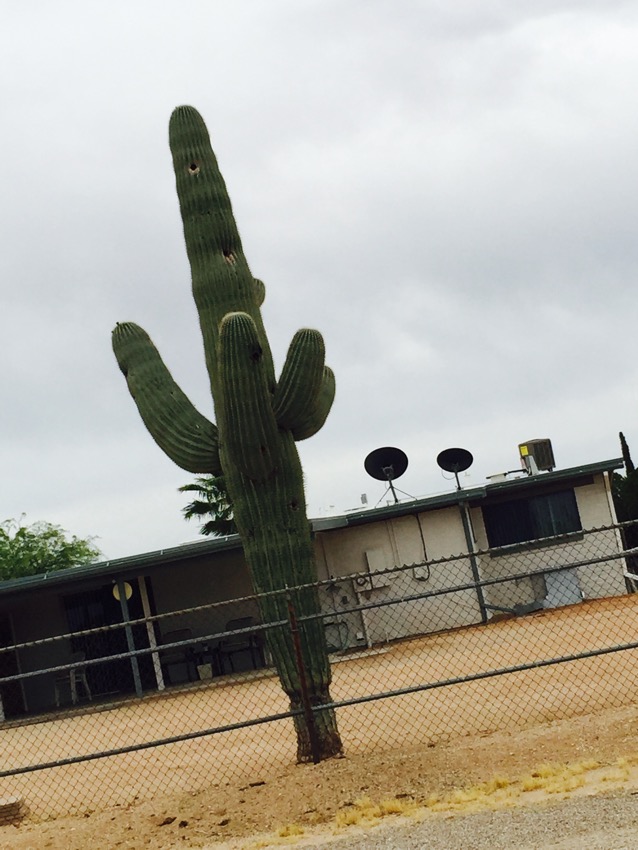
<point x="277" y="560"/>
<point x="258" y="421"/>
<point x="265" y="484"/>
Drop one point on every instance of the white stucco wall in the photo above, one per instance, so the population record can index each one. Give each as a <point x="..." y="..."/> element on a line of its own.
<point x="597" y="580"/>
<point x="371" y="548"/>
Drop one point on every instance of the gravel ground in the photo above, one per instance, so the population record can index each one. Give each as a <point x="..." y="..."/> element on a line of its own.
<point x="606" y="822"/>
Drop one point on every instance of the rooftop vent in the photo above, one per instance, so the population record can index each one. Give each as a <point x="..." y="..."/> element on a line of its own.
<point x="537" y="456"/>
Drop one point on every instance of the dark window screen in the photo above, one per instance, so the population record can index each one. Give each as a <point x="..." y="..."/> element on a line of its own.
<point x="522" y="520"/>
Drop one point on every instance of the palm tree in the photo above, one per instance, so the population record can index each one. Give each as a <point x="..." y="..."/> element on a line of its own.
<point x="213" y="502"/>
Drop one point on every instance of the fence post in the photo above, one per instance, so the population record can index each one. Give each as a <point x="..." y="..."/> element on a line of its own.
<point x="303" y="685"/>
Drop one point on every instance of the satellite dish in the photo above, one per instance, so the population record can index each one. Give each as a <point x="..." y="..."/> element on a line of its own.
<point x="386" y="464"/>
<point x="455" y="460"/>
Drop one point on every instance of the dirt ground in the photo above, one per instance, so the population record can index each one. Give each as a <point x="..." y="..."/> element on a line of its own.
<point x="306" y="804"/>
<point x="413" y="749"/>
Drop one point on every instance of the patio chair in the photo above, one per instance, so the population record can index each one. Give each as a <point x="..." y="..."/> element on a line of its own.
<point x="248" y="642"/>
<point x="74" y="676"/>
<point x="179" y="663"/>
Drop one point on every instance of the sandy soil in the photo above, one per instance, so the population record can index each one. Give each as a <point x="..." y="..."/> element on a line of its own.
<point x="238" y="784"/>
<point x="307" y="802"/>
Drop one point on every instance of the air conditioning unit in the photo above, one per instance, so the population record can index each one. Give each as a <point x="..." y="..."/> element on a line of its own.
<point x="537" y="456"/>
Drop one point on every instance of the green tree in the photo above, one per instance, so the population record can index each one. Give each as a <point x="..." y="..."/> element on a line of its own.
<point x="626" y="456"/>
<point x="212" y="501"/>
<point x="27" y="550"/>
<point x="625" y="493"/>
<point x="624" y="490"/>
<point x="625" y="487"/>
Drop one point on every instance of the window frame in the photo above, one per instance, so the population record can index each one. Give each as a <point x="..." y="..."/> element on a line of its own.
<point x="527" y="511"/>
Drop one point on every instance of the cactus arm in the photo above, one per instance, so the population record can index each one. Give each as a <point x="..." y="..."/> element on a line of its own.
<point x="222" y="282"/>
<point x="317" y="415"/>
<point x="259" y="290"/>
<point x="186" y="436"/>
<point x="301" y="379"/>
<point x="246" y="417"/>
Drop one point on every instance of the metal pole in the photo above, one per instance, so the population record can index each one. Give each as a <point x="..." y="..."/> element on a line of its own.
<point x="135" y="667"/>
<point x="476" y="575"/>
<point x="303" y="685"/>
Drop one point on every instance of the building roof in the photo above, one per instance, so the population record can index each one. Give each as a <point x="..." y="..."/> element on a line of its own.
<point x="132" y="565"/>
<point x="474" y="495"/>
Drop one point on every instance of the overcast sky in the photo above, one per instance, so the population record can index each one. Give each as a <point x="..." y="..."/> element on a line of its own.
<point x="448" y="191"/>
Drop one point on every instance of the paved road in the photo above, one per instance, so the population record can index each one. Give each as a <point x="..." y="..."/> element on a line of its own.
<point x="606" y="822"/>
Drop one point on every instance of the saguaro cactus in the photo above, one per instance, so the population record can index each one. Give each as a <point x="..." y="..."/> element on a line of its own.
<point x="258" y="418"/>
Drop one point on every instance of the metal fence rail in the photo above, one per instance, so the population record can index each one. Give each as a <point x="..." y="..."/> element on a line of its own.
<point x="422" y="652"/>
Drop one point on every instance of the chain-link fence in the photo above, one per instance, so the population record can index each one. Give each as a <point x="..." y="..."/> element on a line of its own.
<point x="419" y="653"/>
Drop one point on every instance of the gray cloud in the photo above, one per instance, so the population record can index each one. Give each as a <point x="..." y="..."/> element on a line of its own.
<point x="446" y="191"/>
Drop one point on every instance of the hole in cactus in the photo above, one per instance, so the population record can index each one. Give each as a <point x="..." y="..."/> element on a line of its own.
<point x="256" y="355"/>
<point x="193" y="168"/>
<point x="294" y="505"/>
<point x="228" y="255"/>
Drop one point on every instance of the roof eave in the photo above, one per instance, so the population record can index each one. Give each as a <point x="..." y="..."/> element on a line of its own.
<point x="133" y="565"/>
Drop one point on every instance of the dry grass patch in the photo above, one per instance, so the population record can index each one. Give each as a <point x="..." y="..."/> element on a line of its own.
<point x="365" y="812"/>
<point x="558" y="778"/>
<point x="290" y="830"/>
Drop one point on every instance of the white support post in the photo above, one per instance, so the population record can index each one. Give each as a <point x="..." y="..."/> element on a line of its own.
<point x="150" y="631"/>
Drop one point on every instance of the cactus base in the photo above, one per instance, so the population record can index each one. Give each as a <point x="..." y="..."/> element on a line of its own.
<point x="327" y="740"/>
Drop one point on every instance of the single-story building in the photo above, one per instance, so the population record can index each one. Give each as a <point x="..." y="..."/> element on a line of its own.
<point x="455" y="548"/>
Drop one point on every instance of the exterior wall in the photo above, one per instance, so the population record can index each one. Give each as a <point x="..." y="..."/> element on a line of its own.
<point x="369" y="549"/>
<point x="596" y="510"/>
<point x="597" y="580"/>
<point x="210" y="579"/>
<point x="593" y="505"/>
<point x="36" y="617"/>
